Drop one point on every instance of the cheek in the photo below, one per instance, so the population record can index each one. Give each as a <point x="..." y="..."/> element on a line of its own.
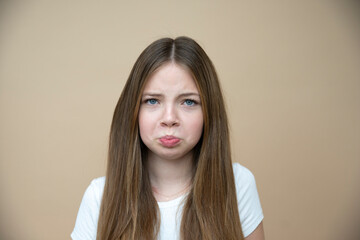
<point x="196" y="126"/>
<point x="144" y="125"/>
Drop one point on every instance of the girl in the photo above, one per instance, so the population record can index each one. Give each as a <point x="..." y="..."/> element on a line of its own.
<point x="169" y="172"/>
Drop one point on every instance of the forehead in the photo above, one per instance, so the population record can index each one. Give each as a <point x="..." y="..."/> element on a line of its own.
<point x="171" y="77"/>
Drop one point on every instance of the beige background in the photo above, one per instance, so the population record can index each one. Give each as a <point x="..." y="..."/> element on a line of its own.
<point x="290" y="72"/>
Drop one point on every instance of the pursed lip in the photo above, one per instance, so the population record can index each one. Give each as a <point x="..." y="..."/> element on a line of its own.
<point x="169" y="141"/>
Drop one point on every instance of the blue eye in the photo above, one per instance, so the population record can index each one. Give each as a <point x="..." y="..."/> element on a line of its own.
<point x="189" y="102"/>
<point x="152" y="101"/>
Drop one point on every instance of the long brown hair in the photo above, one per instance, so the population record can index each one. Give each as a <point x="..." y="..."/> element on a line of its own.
<point x="129" y="209"/>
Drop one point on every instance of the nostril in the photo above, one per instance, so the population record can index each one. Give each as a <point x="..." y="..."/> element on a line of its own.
<point x="170" y="124"/>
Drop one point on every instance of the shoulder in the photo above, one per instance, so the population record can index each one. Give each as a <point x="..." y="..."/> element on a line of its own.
<point x="240" y="170"/>
<point x="95" y="190"/>
<point x="88" y="214"/>
<point x="98" y="183"/>
<point x="243" y="176"/>
<point x="93" y="193"/>
<point x="249" y="206"/>
<point x="244" y="182"/>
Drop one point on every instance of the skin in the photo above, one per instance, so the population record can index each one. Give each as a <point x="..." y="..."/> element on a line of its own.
<point x="257" y="234"/>
<point x="170" y="106"/>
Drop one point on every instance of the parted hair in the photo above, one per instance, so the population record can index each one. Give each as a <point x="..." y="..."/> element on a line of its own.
<point x="128" y="208"/>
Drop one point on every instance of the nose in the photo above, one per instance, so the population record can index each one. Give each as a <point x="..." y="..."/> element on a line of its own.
<point x="170" y="117"/>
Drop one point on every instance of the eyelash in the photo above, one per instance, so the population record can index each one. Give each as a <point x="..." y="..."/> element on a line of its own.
<point x="150" y="99"/>
<point x="193" y="102"/>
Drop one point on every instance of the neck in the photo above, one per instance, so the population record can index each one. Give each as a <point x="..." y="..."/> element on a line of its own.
<point x="169" y="177"/>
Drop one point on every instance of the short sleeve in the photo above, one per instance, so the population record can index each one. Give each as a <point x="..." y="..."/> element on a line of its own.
<point x="88" y="214"/>
<point x="249" y="206"/>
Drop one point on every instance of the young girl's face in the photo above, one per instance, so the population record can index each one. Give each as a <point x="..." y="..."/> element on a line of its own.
<point x="170" y="115"/>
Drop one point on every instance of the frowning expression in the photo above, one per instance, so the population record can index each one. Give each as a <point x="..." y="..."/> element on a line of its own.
<point x="170" y="116"/>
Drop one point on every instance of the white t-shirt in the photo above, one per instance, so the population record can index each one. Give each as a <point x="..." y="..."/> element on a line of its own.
<point x="249" y="207"/>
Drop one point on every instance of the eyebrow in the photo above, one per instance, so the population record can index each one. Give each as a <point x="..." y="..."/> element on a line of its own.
<point x="180" y="95"/>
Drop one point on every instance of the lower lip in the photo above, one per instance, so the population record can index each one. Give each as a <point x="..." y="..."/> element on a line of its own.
<point x="169" y="142"/>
